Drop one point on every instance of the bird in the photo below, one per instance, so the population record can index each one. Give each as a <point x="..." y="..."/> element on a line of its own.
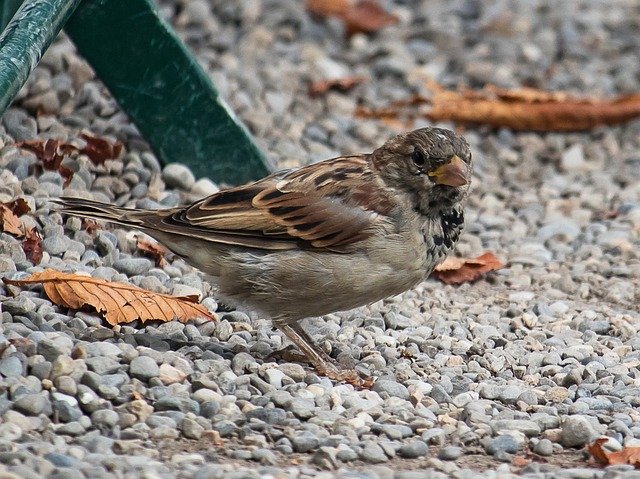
<point x="330" y="236"/>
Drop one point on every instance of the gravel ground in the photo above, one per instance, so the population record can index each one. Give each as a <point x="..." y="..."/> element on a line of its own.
<point x="510" y="375"/>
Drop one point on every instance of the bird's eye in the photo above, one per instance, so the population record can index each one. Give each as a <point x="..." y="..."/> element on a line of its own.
<point x="417" y="157"/>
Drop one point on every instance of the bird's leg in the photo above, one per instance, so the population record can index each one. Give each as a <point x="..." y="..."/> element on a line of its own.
<point x="324" y="364"/>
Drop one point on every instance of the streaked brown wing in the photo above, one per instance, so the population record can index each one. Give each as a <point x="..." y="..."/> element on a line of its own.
<point x="326" y="205"/>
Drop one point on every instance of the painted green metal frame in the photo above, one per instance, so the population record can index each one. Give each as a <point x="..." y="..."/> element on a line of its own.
<point x="149" y="71"/>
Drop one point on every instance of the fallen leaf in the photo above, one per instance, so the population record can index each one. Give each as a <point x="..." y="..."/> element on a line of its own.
<point x="627" y="455"/>
<point x="342" y="84"/>
<point x="155" y="250"/>
<point x="520" y="461"/>
<point x="19" y="206"/>
<point x="519" y="109"/>
<point x="462" y="270"/>
<point x="359" y="16"/>
<point x="99" y="149"/>
<point x="51" y="153"/>
<point x="9" y="222"/>
<point x="32" y="246"/>
<point x="117" y="302"/>
<point x="90" y="226"/>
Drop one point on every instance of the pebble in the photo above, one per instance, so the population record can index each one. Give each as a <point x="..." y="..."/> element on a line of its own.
<point x="133" y="266"/>
<point x="413" y="449"/>
<point x="577" y="431"/>
<point x="143" y="368"/>
<point x="177" y="175"/>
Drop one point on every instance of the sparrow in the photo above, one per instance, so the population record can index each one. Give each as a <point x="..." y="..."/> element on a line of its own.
<point x="331" y="236"/>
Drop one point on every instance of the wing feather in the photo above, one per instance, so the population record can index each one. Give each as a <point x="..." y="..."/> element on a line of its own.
<point x="326" y="205"/>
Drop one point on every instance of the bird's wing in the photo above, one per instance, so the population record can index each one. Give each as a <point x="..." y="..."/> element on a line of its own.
<point x="326" y="205"/>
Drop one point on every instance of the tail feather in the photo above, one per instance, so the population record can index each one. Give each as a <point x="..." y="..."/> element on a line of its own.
<point x="101" y="211"/>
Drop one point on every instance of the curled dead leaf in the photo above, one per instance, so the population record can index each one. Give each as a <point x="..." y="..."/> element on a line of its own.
<point x="9" y="222"/>
<point x="117" y="302"/>
<point x="100" y="149"/>
<point x="155" y="250"/>
<point x="51" y="152"/>
<point x="462" y="270"/>
<point x="32" y="246"/>
<point x="524" y="109"/>
<point x="342" y="84"/>
<point x="358" y="16"/>
<point x="90" y="226"/>
<point x="627" y="455"/>
<point x="19" y="206"/>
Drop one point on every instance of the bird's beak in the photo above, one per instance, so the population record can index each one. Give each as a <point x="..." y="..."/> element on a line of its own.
<point x="453" y="173"/>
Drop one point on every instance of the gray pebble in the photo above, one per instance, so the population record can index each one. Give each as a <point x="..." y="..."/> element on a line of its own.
<point x="544" y="447"/>
<point x="391" y="388"/>
<point x="373" y="453"/>
<point x="33" y="404"/>
<point x="133" y="266"/>
<point x="502" y="444"/>
<point x="413" y="449"/>
<point x="177" y="175"/>
<point x="576" y="431"/>
<point x="304" y="442"/>
<point x="450" y="453"/>
<point x="143" y="368"/>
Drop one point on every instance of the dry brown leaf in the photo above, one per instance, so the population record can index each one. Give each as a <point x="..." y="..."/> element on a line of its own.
<point x="99" y="150"/>
<point x="19" y="206"/>
<point x="342" y="84"/>
<point x="155" y="250"/>
<point x="51" y="153"/>
<point x="520" y="109"/>
<point x="462" y="270"/>
<point x="9" y="222"/>
<point x="627" y="455"/>
<point x="359" y="16"/>
<point x="90" y="226"/>
<point x="32" y="246"/>
<point x="118" y="302"/>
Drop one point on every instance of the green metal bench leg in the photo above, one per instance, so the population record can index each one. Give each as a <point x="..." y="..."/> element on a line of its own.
<point x="158" y="84"/>
<point x="26" y="38"/>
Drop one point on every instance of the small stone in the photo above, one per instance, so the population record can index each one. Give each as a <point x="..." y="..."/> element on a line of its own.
<point x="576" y="431"/>
<point x="325" y="458"/>
<point x="170" y="375"/>
<point x="392" y="388"/>
<point x="56" y="245"/>
<point x="191" y="429"/>
<point x="573" y="159"/>
<point x="18" y="305"/>
<point x="544" y="447"/>
<point x="12" y="367"/>
<point x="204" y="187"/>
<point x="268" y="415"/>
<point x="346" y="454"/>
<point x="143" y="368"/>
<point x="373" y="453"/>
<point x="177" y="175"/>
<point x="66" y="407"/>
<point x="304" y="442"/>
<point x="133" y="266"/>
<point x="502" y="444"/>
<point x="33" y="404"/>
<point x="450" y="453"/>
<point x="105" y="417"/>
<point x="413" y="449"/>
<point x="10" y="432"/>
<point x="264" y="457"/>
<point x="60" y="460"/>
